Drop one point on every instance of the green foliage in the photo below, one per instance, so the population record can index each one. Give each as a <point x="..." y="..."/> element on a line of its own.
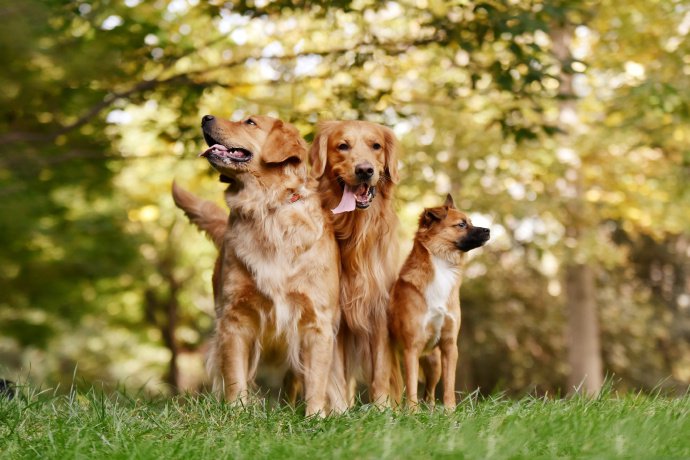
<point x="100" y="110"/>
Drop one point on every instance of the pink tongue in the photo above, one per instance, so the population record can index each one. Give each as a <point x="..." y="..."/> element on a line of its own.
<point x="347" y="202"/>
<point x="209" y="150"/>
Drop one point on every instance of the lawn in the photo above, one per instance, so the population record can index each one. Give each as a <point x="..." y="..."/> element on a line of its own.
<point x="93" y="425"/>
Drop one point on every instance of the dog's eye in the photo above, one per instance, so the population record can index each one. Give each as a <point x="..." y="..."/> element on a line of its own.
<point x="343" y="146"/>
<point x="462" y="225"/>
<point x="249" y="121"/>
<point x="376" y="146"/>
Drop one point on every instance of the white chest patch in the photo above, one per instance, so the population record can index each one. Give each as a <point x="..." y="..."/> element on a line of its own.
<point x="437" y="295"/>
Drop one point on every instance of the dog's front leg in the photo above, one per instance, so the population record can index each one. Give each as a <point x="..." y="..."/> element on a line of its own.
<point x="381" y="357"/>
<point x="337" y="388"/>
<point x="449" y="347"/>
<point x="431" y="365"/>
<point x="411" y="358"/>
<point x="317" y="352"/>
<point x="449" y="361"/>
<point x="237" y="333"/>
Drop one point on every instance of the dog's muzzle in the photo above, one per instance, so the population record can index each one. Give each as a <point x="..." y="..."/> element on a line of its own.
<point x="475" y="238"/>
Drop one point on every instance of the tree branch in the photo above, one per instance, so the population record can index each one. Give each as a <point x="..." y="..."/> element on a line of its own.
<point x="111" y="98"/>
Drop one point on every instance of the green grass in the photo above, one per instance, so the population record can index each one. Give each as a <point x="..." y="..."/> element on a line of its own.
<point x="94" y="425"/>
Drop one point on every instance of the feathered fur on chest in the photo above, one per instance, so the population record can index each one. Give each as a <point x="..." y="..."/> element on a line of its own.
<point x="272" y="236"/>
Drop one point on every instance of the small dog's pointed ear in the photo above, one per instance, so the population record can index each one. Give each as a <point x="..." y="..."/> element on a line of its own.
<point x="431" y="215"/>
<point x="283" y="143"/>
<point x="449" y="202"/>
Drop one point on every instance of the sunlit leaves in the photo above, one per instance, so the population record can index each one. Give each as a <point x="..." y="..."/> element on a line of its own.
<point x="101" y="104"/>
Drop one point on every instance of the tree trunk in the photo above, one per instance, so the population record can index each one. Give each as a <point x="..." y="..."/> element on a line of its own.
<point x="168" y="332"/>
<point x="584" y="349"/>
<point x="162" y="311"/>
<point x="582" y="329"/>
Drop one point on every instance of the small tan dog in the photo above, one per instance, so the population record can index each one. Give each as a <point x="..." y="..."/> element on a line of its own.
<point x="276" y="280"/>
<point x="424" y="309"/>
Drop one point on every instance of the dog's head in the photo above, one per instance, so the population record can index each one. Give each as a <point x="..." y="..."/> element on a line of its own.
<point x="252" y="147"/>
<point x="446" y="229"/>
<point x="358" y="156"/>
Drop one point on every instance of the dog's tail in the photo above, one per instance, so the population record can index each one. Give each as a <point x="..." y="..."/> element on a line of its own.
<point x="206" y="215"/>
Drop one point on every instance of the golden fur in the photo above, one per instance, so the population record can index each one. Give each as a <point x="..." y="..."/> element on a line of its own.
<point x="367" y="239"/>
<point x="276" y="278"/>
<point x="424" y="311"/>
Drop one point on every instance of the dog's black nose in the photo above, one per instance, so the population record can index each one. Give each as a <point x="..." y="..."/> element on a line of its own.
<point x="206" y="119"/>
<point x="364" y="171"/>
<point x="485" y="231"/>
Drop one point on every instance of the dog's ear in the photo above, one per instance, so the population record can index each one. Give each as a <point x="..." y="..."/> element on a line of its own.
<point x="449" y="202"/>
<point x="431" y="215"/>
<point x="284" y="143"/>
<point x="392" y="149"/>
<point x="318" y="154"/>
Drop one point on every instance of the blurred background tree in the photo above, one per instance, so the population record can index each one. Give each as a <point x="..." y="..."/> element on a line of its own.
<point x="561" y="124"/>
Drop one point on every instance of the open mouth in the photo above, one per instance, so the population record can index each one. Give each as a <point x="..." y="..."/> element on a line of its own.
<point x="359" y="196"/>
<point x="364" y="193"/>
<point x="218" y="152"/>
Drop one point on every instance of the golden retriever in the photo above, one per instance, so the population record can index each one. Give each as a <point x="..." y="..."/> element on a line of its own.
<point x="424" y="313"/>
<point x="355" y="163"/>
<point x="276" y="279"/>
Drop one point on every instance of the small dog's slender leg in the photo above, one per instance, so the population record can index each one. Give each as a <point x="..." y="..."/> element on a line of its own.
<point x="411" y="358"/>
<point x="397" y="382"/>
<point x="449" y="360"/>
<point x="431" y="365"/>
